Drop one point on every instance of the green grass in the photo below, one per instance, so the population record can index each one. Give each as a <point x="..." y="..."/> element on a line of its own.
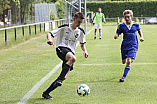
<point x="23" y="65"/>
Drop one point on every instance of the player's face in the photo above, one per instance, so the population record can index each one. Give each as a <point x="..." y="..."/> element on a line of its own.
<point x="78" y="22"/>
<point x="99" y="10"/>
<point x="128" y="18"/>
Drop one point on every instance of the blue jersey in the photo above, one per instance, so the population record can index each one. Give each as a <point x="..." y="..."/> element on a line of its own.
<point x="130" y="40"/>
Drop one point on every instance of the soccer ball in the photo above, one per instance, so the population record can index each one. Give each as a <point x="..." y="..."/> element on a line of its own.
<point x="83" y="90"/>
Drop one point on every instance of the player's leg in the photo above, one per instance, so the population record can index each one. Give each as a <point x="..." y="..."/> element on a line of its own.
<point x="64" y="62"/>
<point x="68" y="59"/>
<point x="71" y="66"/>
<point x="99" y="33"/>
<point x="124" y="57"/>
<point x="95" y="32"/>
<point x="131" y="54"/>
<point x="127" y="69"/>
<point x="66" y="75"/>
<point x="100" y="27"/>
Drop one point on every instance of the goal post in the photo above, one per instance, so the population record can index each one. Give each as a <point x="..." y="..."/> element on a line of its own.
<point x="72" y="6"/>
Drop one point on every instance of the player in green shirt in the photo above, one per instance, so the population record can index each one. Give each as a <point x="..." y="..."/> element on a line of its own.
<point x="99" y="17"/>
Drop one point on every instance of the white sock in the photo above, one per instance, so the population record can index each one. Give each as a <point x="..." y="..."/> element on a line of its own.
<point x="99" y="34"/>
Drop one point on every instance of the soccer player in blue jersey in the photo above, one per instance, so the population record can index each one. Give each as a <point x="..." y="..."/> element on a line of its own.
<point x="129" y="44"/>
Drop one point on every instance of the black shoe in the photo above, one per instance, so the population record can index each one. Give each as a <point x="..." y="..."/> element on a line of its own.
<point x="94" y="37"/>
<point x="122" y="79"/>
<point x="100" y="38"/>
<point x="47" y="96"/>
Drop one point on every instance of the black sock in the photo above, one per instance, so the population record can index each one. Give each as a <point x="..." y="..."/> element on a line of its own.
<point x="64" y="62"/>
<point x="65" y="70"/>
<point x="53" y="86"/>
<point x="71" y="68"/>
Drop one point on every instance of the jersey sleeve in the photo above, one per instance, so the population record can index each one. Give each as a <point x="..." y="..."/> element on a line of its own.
<point x="103" y="17"/>
<point x="57" y="31"/>
<point x="82" y="38"/>
<point x="119" y="30"/>
<point x="138" y="27"/>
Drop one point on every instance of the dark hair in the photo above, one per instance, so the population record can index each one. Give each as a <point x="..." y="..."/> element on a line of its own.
<point x="79" y="15"/>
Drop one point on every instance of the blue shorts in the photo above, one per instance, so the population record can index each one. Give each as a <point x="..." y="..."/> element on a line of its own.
<point x="128" y="53"/>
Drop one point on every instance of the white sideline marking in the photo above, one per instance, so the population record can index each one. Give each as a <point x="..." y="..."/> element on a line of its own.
<point x="35" y="88"/>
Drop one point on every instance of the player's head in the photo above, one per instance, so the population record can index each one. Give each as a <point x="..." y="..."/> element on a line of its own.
<point x="79" y="15"/>
<point x="99" y="10"/>
<point x="78" y="18"/>
<point x="128" y="15"/>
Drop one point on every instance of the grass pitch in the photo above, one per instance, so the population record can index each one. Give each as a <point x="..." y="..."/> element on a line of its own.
<point x="23" y="65"/>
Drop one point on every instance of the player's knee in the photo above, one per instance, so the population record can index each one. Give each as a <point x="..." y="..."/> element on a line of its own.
<point x="129" y="60"/>
<point x="72" y="59"/>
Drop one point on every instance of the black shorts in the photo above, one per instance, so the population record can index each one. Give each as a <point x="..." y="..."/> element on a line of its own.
<point x="61" y="53"/>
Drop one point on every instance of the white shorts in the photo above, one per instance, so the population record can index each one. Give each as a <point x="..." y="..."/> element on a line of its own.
<point x="98" y="26"/>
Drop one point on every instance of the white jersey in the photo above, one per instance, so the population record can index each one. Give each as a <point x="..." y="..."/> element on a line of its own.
<point x="66" y="37"/>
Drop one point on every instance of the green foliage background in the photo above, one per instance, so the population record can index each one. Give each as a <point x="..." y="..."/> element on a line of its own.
<point x="116" y="8"/>
<point x="60" y="8"/>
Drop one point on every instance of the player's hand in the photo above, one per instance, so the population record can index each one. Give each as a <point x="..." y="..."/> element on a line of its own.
<point x="50" y="42"/>
<point x="92" y="23"/>
<point x="141" y="39"/>
<point x="116" y="36"/>
<point x="85" y="54"/>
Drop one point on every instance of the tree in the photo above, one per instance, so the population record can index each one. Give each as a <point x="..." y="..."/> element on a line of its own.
<point x="60" y="8"/>
<point x="20" y="9"/>
<point x="53" y="1"/>
<point x="4" y="5"/>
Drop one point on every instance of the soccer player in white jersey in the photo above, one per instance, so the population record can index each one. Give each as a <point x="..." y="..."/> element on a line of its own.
<point x="67" y="36"/>
<point x="129" y="44"/>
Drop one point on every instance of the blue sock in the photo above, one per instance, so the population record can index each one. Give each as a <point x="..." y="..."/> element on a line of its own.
<point x="126" y="70"/>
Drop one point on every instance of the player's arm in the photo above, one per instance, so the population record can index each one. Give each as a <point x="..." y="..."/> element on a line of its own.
<point x="104" y="21"/>
<point x="118" y="32"/>
<point x="141" y="35"/>
<point x="84" y="49"/>
<point x="82" y="41"/>
<point x="94" y="16"/>
<point x="49" y="39"/>
<point x="54" y="33"/>
<point x="104" y="18"/>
